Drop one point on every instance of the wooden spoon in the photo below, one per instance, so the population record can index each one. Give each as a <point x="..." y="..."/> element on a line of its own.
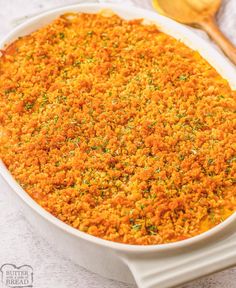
<point x="200" y="14"/>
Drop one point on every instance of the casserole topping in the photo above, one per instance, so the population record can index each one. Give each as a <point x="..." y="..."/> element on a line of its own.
<point x="118" y="129"/>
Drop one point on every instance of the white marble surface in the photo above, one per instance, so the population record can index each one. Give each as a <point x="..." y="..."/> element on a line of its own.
<point x="19" y="242"/>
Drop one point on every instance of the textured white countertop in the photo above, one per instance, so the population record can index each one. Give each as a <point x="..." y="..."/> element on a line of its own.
<point x="19" y="242"/>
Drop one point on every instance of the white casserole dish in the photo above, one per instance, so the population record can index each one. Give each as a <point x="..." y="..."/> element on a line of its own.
<point x="163" y="265"/>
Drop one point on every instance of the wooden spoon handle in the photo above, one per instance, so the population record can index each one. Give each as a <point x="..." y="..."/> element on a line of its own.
<point x="210" y="26"/>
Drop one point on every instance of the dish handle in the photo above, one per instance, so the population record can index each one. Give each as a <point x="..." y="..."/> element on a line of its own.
<point x="165" y="270"/>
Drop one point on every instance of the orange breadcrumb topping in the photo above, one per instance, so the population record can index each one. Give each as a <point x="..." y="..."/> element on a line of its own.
<point x="118" y="129"/>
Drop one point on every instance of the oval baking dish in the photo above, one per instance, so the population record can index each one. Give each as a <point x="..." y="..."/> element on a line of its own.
<point x="162" y="265"/>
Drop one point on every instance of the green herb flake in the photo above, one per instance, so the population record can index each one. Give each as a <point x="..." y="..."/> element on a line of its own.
<point x="8" y="91"/>
<point x="77" y="63"/>
<point x="227" y="170"/>
<point x="153" y="124"/>
<point x="180" y="115"/>
<point x="90" y="33"/>
<point x="94" y="147"/>
<point x="55" y="119"/>
<point x="131" y="220"/>
<point x="102" y="194"/>
<point x="183" y="77"/>
<point x="77" y="140"/>
<point x="150" y="81"/>
<point x="45" y="100"/>
<point x="29" y="106"/>
<point x="221" y="97"/>
<point x="28" y="57"/>
<point x="233" y="180"/>
<point x="61" y="35"/>
<point x="152" y="230"/>
<point x="210" y="161"/>
<point x="181" y="157"/>
<point x="136" y="227"/>
<point x="142" y="206"/>
<point x="231" y="160"/>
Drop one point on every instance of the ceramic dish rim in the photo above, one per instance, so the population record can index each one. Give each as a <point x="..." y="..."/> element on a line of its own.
<point x="122" y="247"/>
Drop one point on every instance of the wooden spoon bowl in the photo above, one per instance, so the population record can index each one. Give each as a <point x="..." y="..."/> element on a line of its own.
<point x="198" y="13"/>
